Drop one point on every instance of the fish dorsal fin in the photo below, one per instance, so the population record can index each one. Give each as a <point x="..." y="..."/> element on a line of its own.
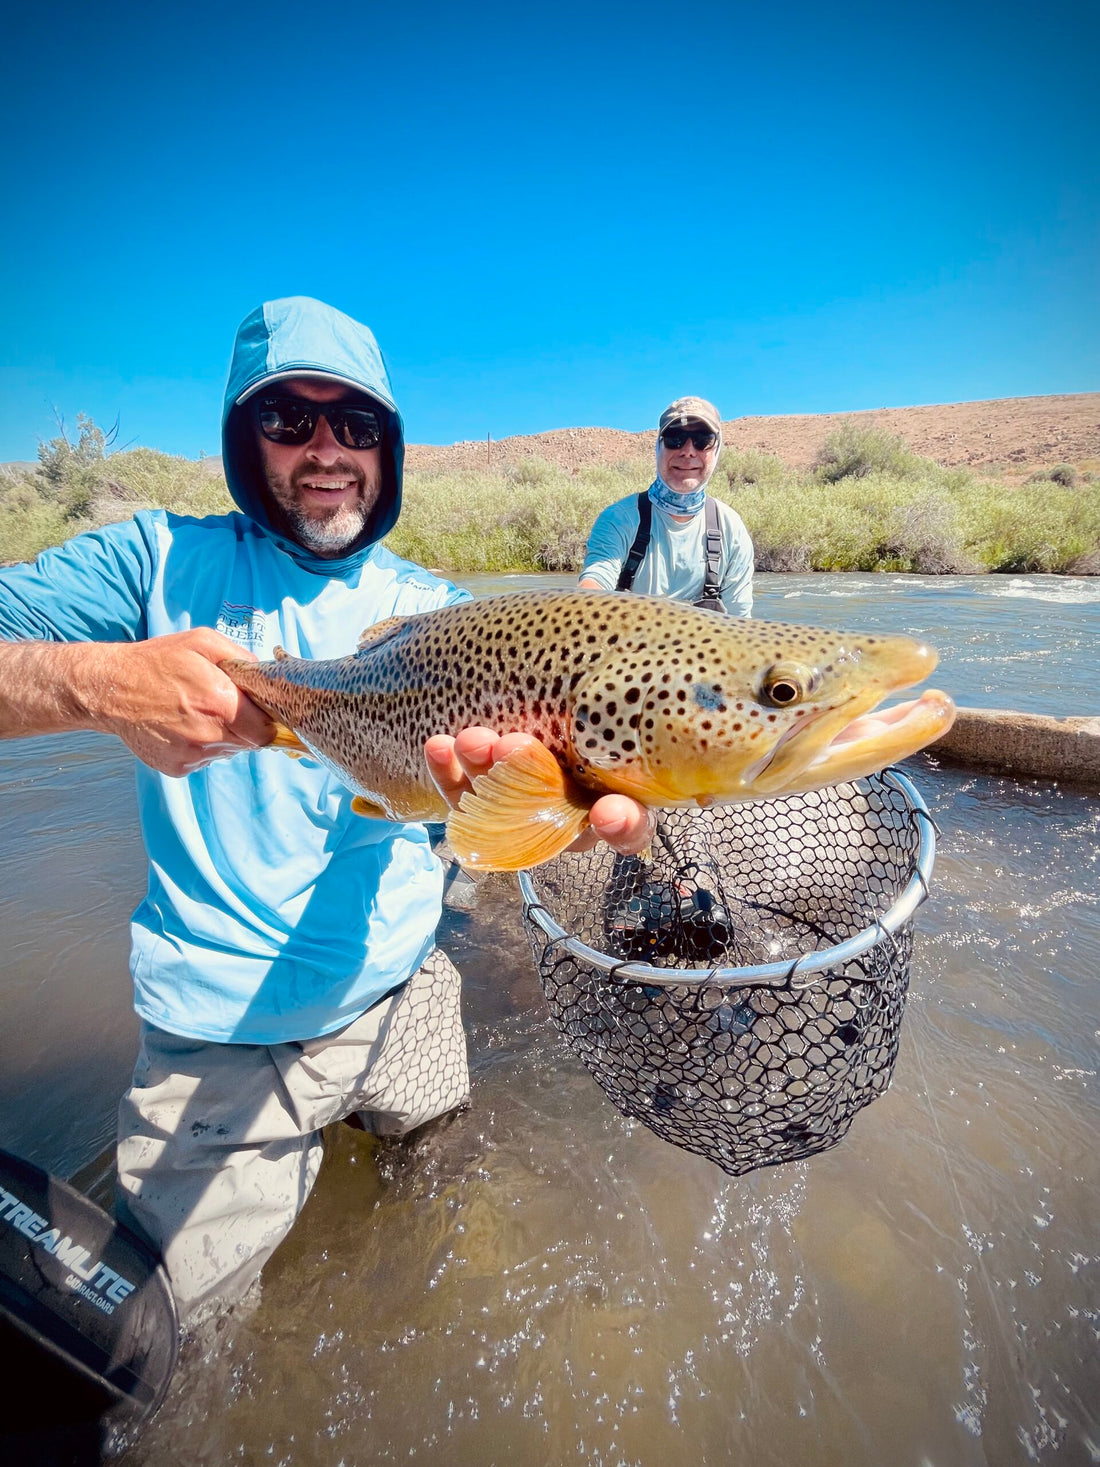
<point x="523" y="812"/>
<point x="381" y="629"/>
<point x="280" y="654"/>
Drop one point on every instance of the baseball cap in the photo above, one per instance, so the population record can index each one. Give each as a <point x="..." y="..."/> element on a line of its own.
<point x="690" y="410"/>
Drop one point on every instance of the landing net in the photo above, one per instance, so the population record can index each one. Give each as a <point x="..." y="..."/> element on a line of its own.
<point x="741" y="992"/>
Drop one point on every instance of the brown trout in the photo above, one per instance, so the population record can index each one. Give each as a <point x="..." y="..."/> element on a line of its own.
<point x="636" y="694"/>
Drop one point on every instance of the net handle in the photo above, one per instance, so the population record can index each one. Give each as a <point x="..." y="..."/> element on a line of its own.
<point x="768" y="975"/>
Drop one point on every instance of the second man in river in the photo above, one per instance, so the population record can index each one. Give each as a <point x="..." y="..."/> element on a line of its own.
<point x="676" y="540"/>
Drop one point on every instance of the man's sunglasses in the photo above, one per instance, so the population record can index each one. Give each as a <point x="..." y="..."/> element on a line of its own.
<point x="294" y="420"/>
<point x="701" y="438"/>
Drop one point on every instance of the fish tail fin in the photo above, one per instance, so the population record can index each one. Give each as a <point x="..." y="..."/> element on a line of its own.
<point x="524" y="811"/>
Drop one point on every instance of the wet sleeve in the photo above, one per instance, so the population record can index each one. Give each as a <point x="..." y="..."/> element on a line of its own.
<point x="608" y="546"/>
<point x="736" y="589"/>
<point x="94" y="588"/>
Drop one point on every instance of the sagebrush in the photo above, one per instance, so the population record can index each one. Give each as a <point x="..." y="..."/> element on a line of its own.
<point x="869" y="504"/>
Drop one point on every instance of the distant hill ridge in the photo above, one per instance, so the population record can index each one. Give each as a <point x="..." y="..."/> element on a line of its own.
<point x="1012" y="435"/>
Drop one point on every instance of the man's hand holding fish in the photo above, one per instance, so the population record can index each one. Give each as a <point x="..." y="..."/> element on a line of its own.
<point x="454" y="763"/>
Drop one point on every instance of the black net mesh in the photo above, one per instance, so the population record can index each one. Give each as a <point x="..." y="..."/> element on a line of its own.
<point x="746" y="1069"/>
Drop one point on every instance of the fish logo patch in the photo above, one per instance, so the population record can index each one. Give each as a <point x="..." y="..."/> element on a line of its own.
<point x="243" y="624"/>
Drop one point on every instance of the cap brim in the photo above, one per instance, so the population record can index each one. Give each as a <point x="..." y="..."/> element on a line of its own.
<point x="299" y="374"/>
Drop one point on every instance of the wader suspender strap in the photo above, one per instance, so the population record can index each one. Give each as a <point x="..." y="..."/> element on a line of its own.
<point x="712" y="591"/>
<point x="641" y="544"/>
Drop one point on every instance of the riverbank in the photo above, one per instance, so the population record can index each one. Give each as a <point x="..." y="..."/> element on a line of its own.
<point x="868" y="502"/>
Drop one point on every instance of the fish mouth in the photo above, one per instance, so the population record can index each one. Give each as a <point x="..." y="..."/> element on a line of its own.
<point x="839" y="744"/>
<point x="834" y="744"/>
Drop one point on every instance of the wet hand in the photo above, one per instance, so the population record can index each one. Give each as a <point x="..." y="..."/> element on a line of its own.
<point x="170" y="702"/>
<point x="455" y="762"/>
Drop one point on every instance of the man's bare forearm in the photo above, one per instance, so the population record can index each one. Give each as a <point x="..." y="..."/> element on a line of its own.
<point x="50" y="687"/>
<point x="167" y="698"/>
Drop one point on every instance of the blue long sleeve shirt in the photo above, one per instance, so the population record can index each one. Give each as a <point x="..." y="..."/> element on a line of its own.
<point x="273" y="911"/>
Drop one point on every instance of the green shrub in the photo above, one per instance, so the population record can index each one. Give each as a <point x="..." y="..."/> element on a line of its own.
<point x="28" y="521"/>
<point x="852" y="452"/>
<point x="1064" y="474"/>
<point x="738" y="467"/>
<point x="889" y="509"/>
<point x="1043" y="527"/>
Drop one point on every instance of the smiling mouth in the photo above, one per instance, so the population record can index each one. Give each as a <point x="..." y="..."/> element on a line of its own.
<point x="326" y="486"/>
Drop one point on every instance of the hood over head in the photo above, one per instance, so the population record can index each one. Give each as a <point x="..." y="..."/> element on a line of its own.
<point x="301" y="337"/>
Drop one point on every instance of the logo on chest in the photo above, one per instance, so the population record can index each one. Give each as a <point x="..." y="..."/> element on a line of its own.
<point x="242" y="624"/>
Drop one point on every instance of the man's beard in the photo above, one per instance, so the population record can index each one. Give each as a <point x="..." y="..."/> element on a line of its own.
<point x="325" y="534"/>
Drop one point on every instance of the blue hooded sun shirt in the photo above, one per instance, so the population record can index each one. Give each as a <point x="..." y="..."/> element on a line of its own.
<point x="273" y="912"/>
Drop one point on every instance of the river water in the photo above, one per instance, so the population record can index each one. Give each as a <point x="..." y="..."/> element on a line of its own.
<point x="542" y="1281"/>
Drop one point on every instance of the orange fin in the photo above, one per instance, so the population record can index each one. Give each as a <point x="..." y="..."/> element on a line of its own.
<point x="368" y="809"/>
<point x="380" y="630"/>
<point x="288" y="741"/>
<point x="280" y="654"/>
<point x="523" y="812"/>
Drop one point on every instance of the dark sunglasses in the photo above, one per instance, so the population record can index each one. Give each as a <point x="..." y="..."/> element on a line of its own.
<point x="701" y="438"/>
<point x="294" y="420"/>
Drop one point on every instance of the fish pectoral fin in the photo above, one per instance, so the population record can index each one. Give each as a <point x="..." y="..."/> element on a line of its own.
<point x="368" y="809"/>
<point x="288" y="741"/>
<point x="524" y="811"/>
<point x="379" y="630"/>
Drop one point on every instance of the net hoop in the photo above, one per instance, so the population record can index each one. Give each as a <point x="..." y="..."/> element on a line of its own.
<point x="769" y="975"/>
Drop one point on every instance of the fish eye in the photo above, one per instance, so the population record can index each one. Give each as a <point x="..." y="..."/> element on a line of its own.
<point x="786" y="684"/>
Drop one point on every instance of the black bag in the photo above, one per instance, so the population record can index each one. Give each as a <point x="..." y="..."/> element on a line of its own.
<point x="88" y="1325"/>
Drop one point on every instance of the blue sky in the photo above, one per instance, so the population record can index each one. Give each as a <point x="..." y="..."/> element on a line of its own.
<point x="551" y="216"/>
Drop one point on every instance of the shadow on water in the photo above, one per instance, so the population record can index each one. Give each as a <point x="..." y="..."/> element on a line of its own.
<point x="543" y="1281"/>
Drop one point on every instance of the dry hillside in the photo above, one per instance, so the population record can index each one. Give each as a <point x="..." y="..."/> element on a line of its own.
<point x="1012" y="436"/>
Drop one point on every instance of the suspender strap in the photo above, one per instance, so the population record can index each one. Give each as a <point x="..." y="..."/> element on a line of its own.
<point x="637" y="551"/>
<point x="712" y="590"/>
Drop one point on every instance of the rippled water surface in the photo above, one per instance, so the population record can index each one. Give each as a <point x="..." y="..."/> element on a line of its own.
<point x="542" y="1281"/>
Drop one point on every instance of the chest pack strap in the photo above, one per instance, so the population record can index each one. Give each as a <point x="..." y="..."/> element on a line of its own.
<point x="637" y="551"/>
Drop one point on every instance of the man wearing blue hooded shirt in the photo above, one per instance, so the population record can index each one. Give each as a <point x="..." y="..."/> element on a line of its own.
<point x="284" y="959"/>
